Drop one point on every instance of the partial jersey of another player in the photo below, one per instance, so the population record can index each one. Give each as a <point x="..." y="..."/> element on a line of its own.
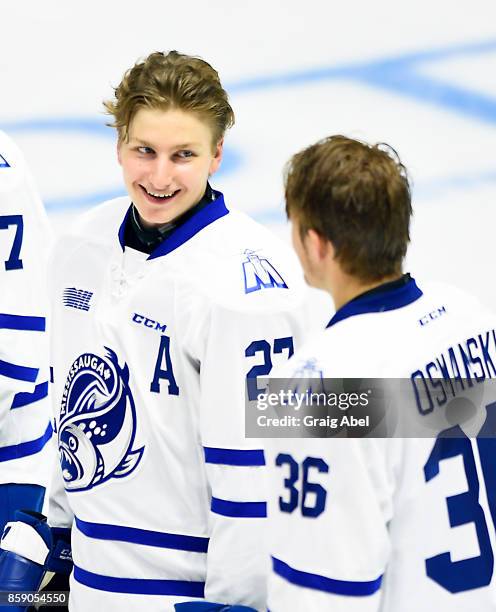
<point x="391" y="524"/>
<point x="25" y="423"/>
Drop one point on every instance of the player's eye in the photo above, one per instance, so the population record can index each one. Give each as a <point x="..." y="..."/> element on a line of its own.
<point x="145" y="150"/>
<point x="185" y="154"/>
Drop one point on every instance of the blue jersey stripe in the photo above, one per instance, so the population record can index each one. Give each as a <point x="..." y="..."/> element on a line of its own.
<point x="24" y="399"/>
<point x="25" y="449"/>
<point x="239" y="509"/>
<point x="229" y="456"/>
<point x="20" y="322"/>
<point x="101" y="531"/>
<point x="139" y="586"/>
<point x="322" y="583"/>
<point x="17" y="372"/>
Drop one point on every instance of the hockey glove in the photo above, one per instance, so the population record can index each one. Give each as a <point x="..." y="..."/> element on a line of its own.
<point x="29" y="549"/>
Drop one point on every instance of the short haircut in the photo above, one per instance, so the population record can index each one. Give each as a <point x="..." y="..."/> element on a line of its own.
<point x="357" y="196"/>
<point x="171" y="81"/>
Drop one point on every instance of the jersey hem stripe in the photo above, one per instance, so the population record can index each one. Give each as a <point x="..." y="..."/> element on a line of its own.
<point x="133" y="535"/>
<point x="139" y="586"/>
<point x="22" y="323"/>
<point x="322" y="583"/>
<point x="17" y="372"/>
<point x="239" y="509"/>
<point x="229" y="456"/>
<point x="24" y="399"/>
<point x="24" y="449"/>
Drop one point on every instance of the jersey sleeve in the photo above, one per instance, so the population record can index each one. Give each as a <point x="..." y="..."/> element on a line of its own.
<point x="237" y="344"/>
<point x="330" y="503"/>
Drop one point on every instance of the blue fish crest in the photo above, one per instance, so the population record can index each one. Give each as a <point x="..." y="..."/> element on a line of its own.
<point x="97" y="427"/>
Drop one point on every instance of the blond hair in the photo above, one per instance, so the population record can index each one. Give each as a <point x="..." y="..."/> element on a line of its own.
<point x="171" y="81"/>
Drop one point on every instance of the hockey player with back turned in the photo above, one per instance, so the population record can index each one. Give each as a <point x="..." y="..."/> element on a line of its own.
<point x="165" y="302"/>
<point x="379" y="524"/>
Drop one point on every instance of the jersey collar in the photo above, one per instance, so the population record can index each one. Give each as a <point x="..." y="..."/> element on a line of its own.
<point x="389" y="297"/>
<point x="205" y="216"/>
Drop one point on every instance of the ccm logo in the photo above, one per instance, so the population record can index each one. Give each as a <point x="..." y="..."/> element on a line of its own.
<point x="150" y="323"/>
<point x="432" y="316"/>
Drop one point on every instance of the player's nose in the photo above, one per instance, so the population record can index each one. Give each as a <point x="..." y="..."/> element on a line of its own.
<point x="162" y="173"/>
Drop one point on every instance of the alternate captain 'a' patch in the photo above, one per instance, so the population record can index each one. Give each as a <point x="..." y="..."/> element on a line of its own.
<point x="77" y="298"/>
<point x="3" y="162"/>
<point x="259" y="273"/>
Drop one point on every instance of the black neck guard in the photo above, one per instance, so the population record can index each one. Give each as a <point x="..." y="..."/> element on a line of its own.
<point x="146" y="240"/>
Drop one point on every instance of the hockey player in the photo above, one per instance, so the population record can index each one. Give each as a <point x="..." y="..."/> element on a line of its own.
<point x="382" y="524"/>
<point x="25" y="424"/>
<point x="165" y="303"/>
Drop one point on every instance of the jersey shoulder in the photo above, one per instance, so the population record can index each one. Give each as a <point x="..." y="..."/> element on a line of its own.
<point x="99" y="225"/>
<point x="103" y="221"/>
<point x="17" y="187"/>
<point x="241" y="265"/>
<point x="12" y="164"/>
<point x="384" y="343"/>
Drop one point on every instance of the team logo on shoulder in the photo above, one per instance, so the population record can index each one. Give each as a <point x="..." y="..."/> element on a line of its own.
<point x="97" y="428"/>
<point x="259" y="273"/>
<point x="308" y="375"/>
<point x="3" y="162"/>
<point x="77" y="298"/>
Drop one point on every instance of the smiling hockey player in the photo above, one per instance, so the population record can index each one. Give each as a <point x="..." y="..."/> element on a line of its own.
<point x="165" y="303"/>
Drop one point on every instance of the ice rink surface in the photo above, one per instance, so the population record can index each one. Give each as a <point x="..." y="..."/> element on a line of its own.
<point x="419" y="76"/>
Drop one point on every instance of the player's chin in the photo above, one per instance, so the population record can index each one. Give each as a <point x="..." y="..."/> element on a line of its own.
<point x="155" y="213"/>
<point x="154" y="217"/>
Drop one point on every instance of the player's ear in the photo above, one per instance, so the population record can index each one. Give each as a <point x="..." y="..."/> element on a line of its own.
<point x="318" y="246"/>
<point x="217" y="157"/>
<point x="119" y="151"/>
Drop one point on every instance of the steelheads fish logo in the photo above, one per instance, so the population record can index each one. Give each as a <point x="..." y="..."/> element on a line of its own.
<point x="97" y="426"/>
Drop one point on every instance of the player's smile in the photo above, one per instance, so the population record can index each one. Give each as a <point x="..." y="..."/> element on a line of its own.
<point x="159" y="198"/>
<point x="166" y="163"/>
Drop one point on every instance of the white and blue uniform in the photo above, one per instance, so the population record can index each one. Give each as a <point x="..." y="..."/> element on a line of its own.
<point x="391" y="524"/>
<point x="25" y="413"/>
<point x="151" y="357"/>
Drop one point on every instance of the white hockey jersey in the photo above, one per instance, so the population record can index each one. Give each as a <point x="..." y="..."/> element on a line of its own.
<point x="25" y="236"/>
<point x="390" y="525"/>
<point x="151" y="357"/>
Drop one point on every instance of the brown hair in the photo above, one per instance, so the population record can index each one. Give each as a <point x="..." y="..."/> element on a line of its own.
<point x="358" y="197"/>
<point x="171" y="81"/>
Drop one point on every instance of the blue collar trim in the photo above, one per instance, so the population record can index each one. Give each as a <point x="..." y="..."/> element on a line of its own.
<point x="379" y="301"/>
<point x="122" y="229"/>
<point x="205" y="216"/>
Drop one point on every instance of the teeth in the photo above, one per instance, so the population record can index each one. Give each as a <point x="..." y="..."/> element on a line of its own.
<point x="160" y="195"/>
